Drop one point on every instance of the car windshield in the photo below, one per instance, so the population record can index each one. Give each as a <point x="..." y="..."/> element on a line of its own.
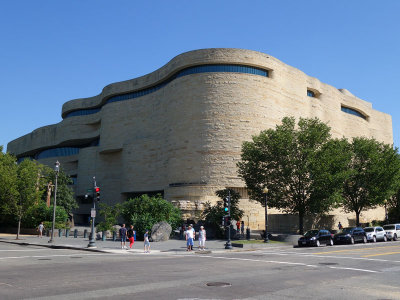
<point x="388" y="227"/>
<point x="311" y="233"/>
<point x="369" y="229"/>
<point x="347" y="230"/>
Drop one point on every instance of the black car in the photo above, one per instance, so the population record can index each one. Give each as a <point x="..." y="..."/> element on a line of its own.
<point x="350" y="235"/>
<point x="316" y="237"/>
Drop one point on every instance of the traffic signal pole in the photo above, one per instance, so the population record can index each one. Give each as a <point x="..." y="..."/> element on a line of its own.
<point x="92" y="243"/>
<point x="228" y="244"/>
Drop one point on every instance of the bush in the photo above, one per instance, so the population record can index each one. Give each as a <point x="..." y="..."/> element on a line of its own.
<point x="110" y="215"/>
<point x="144" y="211"/>
<point x="41" y="213"/>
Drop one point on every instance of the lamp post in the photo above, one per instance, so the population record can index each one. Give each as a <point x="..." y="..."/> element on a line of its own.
<point x="92" y="243"/>
<point x="265" y="191"/>
<point x="56" y="171"/>
<point x="386" y="213"/>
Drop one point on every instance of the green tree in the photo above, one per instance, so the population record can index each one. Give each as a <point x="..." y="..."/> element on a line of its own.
<point x="213" y="214"/>
<point x="302" y="167"/>
<point x="144" y="211"/>
<point x="8" y="186"/>
<point x="373" y="175"/>
<point x="110" y="214"/>
<point x="65" y="194"/>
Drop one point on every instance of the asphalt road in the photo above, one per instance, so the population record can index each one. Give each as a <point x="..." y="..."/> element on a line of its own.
<point x="370" y="271"/>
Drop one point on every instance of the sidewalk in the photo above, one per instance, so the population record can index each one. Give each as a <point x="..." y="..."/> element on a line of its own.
<point x="171" y="246"/>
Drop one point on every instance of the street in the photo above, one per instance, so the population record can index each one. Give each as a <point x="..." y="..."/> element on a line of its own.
<point x="362" y="271"/>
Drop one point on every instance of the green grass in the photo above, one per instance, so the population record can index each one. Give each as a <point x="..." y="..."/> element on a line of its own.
<point x="256" y="242"/>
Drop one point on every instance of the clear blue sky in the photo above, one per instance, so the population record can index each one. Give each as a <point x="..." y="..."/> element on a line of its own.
<point x="55" y="51"/>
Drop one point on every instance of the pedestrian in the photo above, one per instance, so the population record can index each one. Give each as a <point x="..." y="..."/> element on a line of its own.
<point x="340" y="226"/>
<point x="202" y="238"/>
<point x="242" y="228"/>
<point x="146" y="242"/>
<point x="238" y="227"/>
<point x="189" y="238"/>
<point x="40" y="229"/>
<point x="131" y="236"/>
<point x="122" y="235"/>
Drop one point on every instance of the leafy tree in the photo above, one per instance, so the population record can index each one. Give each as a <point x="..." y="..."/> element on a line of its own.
<point x="65" y="194"/>
<point x="40" y="212"/>
<point x="110" y="216"/>
<point x="144" y="211"/>
<point x="213" y="214"/>
<point x="374" y="171"/>
<point x="302" y="168"/>
<point x="8" y="186"/>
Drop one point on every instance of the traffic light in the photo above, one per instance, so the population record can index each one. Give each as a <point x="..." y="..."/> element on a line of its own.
<point x="226" y="205"/>
<point x="228" y="222"/>
<point x="97" y="190"/>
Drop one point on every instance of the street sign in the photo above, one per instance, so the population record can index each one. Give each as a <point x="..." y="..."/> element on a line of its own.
<point x="93" y="213"/>
<point x="89" y="190"/>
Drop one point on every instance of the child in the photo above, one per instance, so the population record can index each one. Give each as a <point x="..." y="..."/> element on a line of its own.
<point x="131" y="236"/>
<point x="146" y="242"/>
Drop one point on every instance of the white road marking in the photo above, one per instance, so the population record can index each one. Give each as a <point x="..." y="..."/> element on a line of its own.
<point x="285" y="262"/>
<point x="55" y="255"/>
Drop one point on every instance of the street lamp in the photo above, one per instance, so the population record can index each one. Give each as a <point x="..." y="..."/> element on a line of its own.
<point x="56" y="171"/>
<point x="386" y="213"/>
<point x="265" y="191"/>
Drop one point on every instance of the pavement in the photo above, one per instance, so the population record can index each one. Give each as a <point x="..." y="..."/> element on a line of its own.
<point x="174" y="246"/>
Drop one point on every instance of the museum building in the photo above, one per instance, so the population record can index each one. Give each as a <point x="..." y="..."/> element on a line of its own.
<point x="178" y="131"/>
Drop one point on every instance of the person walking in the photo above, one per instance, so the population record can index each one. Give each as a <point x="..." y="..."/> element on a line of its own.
<point x="202" y="238"/>
<point x="238" y="227"/>
<point x="40" y="228"/>
<point x="189" y="238"/>
<point x="340" y="226"/>
<point x="122" y="235"/>
<point x="242" y="228"/>
<point x="131" y="236"/>
<point x="146" y="242"/>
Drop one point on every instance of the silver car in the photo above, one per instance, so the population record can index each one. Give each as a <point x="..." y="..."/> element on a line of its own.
<point x="375" y="234"/>
<point x="392" y="231"/>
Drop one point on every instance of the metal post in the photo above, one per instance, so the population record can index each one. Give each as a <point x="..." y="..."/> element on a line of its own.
<point x="386" y="213"/>
<point x="92" y="243"/>
<point x="56" y="169"/>
<point x="228" y="244"/>
<point x="265" y="191"/>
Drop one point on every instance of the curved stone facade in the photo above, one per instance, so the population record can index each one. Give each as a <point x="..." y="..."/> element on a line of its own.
<point x="180" y="132"/>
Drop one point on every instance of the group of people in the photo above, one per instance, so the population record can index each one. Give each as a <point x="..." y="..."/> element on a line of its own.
<point x="240" y="227"/>
<point x="131" y="235"/>
<point x="190" y="235"/>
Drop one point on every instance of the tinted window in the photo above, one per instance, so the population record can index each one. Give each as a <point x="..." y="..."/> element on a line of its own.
<point x="369" y="229"/>
<point x="397" y="227"/>
<point x="348" y="230"/>
<point x="388" y="227"/>
<point x="311" y="233"/>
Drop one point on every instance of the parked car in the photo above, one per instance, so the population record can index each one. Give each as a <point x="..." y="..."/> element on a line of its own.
<point x="392" y="231"/>
<point x="350" y="235"/>
<point x="375" y="234"/>
<point x="316" y="237"/>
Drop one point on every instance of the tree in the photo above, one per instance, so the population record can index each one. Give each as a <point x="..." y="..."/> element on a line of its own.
<point x="373" y="175"/>
<point x="65" y="194"/>
<point x="110" y="216"/>
<point x="302" y="168"/>
<point x="213" y="214"/>
<point x="8" y="185"/>
<point x="144" y="211"/>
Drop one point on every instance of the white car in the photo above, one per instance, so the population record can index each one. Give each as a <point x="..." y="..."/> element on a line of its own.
<point x="392" y="231"/>
<point x="375" y="234"/>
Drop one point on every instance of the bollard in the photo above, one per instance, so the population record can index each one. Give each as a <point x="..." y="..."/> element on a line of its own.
<point x="104" y="236"/>
<point x="85" y="234"/>
<point x="114" y="238"/>
<point x="75" y="233"/>
<point x="67" y="232"/>
<point x="247" y="233"/>
<point x="59" y="232"/>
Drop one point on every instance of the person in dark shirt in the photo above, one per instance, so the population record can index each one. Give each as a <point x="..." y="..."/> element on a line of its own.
<point x="131" y="236"/>
<point x="122" y="234"/>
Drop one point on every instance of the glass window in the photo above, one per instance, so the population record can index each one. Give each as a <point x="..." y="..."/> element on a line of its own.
<point x="310" y="94"/>
<point x="353" y="112"/>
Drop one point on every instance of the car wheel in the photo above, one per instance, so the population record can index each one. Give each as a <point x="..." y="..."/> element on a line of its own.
<point x="299" y="244"/>
<point x="330" y="242"/>
<point x="384" y="238"/>
<point x="365" y="240"/>
<point x="317" y="243"/>
<point x="374" y="239"/>
<point x="395" y="237"/>
<point x="352" y="240"/>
